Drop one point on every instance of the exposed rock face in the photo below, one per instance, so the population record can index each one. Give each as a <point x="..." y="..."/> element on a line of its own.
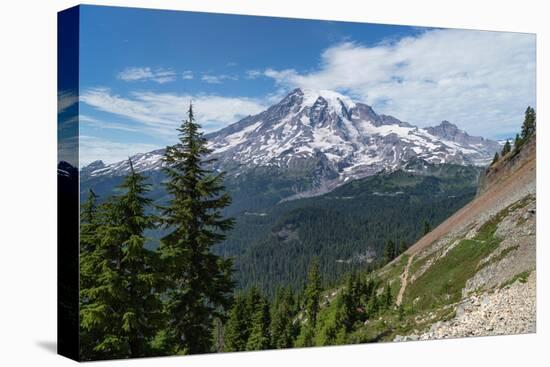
<point x="507" y="165"/>
<point x="510" y="310"/>
<point x="350" y="138"/>
<point x="500" y="295"/>
<point x="327" y="136"/>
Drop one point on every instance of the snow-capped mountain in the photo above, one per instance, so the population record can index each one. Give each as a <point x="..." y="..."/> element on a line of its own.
<point x="329" y="134"/>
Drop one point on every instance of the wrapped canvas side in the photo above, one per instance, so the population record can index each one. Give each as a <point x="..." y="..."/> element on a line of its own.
<point x="68" y="184"/>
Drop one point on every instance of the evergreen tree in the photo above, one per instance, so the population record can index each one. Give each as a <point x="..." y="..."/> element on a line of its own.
<point x="529" y="123"/>
<point x="313" y="293"/>
<point x="351" y="298"/>
<point x="90" y="267"/>
<point x="389" y="251"/>
<point x="141" y="312"/>
<point x="427" y="227"/>
<point x="199" y="281"/>
<point x="402" y="247"/>
<point x="119" y="308"/>
<point x="517" y="142"/>
<point x="283" y="329"/>
<point x="237" y="327"/>
<point x="495" y="158"/>
<point x="259" y="331"/>
<point x="387" y="299"/>
<point x="506" y="148"/>
<point x="89" y="222"/>
<point x="373" y="305"/>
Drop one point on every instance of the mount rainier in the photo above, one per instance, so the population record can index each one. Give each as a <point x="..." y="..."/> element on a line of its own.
<point x="327" y="137"/>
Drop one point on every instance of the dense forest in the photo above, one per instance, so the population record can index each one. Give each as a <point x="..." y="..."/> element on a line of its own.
<point x="345" y="229"/>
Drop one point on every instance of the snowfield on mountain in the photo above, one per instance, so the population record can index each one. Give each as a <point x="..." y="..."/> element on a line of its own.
<point x="338" y="138"/>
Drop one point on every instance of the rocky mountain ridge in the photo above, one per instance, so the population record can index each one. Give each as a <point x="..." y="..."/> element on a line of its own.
<point x="328" y="136"/>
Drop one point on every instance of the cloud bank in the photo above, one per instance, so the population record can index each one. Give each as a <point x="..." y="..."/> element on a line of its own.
<point x="161" y="113"/>
<point x="483" y="81"/>
<point x="160" y="76"/>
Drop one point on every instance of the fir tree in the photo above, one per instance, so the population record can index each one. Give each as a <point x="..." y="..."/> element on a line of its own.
<point x="529" y="123"/>
<point x="506" y="148"/>
<point x="313" y="293"/>
<point x="89" y="221"/>
<point x="351" y="298"/>
<point x="373" y="305"/>
<point x="517" y="142"/>
<point x="141" y="312"/>
<point x="199" y="281"/>
<point x="259" y="337"/>
<point x="389" y="251"/>
<point x="427" y="227"/>
<point x="495" y="158"/>
<point x="237" y="327"/>
<point x="402" y="247"/>
<point x="283" y="329"/>
<point x="119" y="308"/>
<point x="90" y="267"/>
<point x="387" y="299"/>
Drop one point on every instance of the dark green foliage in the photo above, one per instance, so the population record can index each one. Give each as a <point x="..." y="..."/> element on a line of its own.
<point x="495" y="158"/>
<point x="517" y="142"/>
<point x="273" y="248"/>
<point x="427" y="227"/>
<point x="528" y="128"/>
<point x="199" y="282"/>
<point x="248" y="327"/>
<point x="120" y="311"/>
<point x="389" y="251"/>
<point x="260" y="337"/>
<point x="283" y="328"/>
<point x="506" y="148"/>
<point x="237" y="327"/>
<point x="387" y="299"/>
<point x="529" y="123"/>
<point x="402" y="247"/>
<point x="353" y="302"/>
<point x="312" y="293"/>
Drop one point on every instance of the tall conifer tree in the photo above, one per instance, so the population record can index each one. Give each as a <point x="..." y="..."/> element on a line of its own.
<point x="283" y="329"/>
<point x="313" y="293"/>
<point x="141" y="314"/>
<point x="119" y="307"/>
<point x="259" y="337"/>
<point x="199" y="281"/>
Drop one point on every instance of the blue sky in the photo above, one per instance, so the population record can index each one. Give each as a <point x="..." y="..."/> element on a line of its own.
<point x="139" y="69"/>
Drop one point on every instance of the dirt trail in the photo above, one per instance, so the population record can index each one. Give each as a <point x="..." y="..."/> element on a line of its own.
<point x="516" y="182"/>
<point x="404" y="281"/>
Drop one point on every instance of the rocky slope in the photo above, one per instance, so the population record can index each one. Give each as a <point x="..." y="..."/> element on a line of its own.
<point x="477" y="268"/>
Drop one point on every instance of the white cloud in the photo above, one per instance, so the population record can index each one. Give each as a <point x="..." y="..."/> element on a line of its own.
<point x="160" y="76"/>
<point x="94" y="148"/>
<point x="482" y="81"/>
<point x="253" y="74"/>
<point x="88" y="121"/>
<point x="161" y="113"/>
<point x="66" y="99"/>
<point x="217" y="79"/>
<point x="187" y="75"/>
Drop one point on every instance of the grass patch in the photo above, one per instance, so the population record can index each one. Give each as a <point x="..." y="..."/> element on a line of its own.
<point x="521" y="277"/>
<point x="418" y="264"/>
<point x="395" y="269"/>
<point x="443" y="282"/>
